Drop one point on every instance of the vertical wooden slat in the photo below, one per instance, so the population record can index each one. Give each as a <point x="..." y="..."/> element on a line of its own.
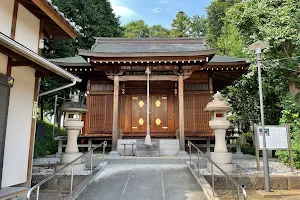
<point x="189" y="112"/>
<point x="87" y="121"/>
<point x="127" y="113"/>
<point x="12" y="34"/>
<point x="164" y="113"/>
<point x="171" y="112"/>
<point x="210" y="86"/>
<point x="14" y="20"/>
<point x="32" y="132"/>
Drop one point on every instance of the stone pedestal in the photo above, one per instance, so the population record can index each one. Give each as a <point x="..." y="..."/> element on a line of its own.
<point x="143" y="150"/>
<point x="72" y="152"/>
<point x="66" y="158"/>
<point x="223" y="160"/>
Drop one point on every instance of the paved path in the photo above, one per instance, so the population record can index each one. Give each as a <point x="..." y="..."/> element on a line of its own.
<point x="157" y="181"/>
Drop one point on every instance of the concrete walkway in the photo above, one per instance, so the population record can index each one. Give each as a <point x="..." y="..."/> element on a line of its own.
<point x="147" y="181"/>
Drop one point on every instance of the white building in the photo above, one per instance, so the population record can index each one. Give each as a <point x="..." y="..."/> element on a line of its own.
<point x="23" y="25"/>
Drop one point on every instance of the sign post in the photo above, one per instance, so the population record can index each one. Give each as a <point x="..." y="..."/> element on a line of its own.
<point x="277" y="138"/>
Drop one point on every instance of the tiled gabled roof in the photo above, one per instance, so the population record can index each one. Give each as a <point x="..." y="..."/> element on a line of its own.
<point x="77" y="28"/>
<point x="148" y="45"/>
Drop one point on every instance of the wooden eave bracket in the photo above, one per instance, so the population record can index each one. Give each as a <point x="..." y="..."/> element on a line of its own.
<point x="59" y="20"/>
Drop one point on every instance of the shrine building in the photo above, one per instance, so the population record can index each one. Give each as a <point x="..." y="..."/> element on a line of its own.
<point x="184" y="74"/>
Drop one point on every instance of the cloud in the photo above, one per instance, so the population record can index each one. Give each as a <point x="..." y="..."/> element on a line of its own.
<point x="157" y="10"/>
<point x="163" y="2"/>
<point x="120" y="9"/>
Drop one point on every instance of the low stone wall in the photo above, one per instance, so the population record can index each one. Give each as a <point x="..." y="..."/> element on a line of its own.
<point x="278" y="182"/>
<point x="167" y="147"/>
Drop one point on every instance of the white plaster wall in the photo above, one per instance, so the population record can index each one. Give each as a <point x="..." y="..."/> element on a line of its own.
<point x="6" y="14"/>
<point x="27" y="29"/>
<point x="15" y="164"/>
<point x="3" y="63"/>
<point x="16" y="152"/>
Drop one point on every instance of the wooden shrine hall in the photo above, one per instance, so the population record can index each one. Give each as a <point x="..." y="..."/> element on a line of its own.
<point x="184" y="74"/>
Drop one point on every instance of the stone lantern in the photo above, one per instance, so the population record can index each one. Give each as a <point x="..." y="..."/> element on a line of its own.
<point x="219" y="123"/>
<point x="73" y="124"/>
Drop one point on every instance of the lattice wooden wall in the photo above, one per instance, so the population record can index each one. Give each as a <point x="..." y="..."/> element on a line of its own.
<point x="195" y="119"/>
<point x="100" y="115"/>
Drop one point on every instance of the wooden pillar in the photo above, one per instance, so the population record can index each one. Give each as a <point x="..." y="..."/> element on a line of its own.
<point x="181" y="113"/>
<point x="211" y="88"/>
<point x="33" y="129"/>
<point x="115" y="114"/>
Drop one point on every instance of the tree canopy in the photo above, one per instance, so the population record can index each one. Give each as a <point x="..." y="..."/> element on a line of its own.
<point x="198" y="26"/>
<point x="181" y="25"/>
<point x="136" y="29"/>
<point x="96" y="18"/>
<point x="158" y="31"/>
<point x="216" y="13"/>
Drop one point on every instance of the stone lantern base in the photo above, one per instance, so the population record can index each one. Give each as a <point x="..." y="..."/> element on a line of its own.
<point x="66" y="158"/>
<point x="223" y="160"/>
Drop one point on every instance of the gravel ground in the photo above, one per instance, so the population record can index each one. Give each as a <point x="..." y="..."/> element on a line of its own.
<point x="246" y="165"/>
<point x="46" y="166"/>
<point x="49" y="195"/>
<point x="45" y="161"/>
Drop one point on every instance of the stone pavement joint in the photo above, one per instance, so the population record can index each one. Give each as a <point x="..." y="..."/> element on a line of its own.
<point x="144" y="181"/>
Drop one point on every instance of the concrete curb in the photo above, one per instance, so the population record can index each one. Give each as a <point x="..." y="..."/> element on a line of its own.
<point x="86" y="182"/>
<point x="207" y="189"/>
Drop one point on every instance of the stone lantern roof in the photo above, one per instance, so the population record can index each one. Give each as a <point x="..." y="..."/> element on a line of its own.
<point x="74" y="105"/>
<point x="218" y="104"/>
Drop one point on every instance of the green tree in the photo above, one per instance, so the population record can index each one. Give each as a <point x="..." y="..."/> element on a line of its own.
<point x="181" y="25"/>
<point x="274" y="21"/>
<point x="216" y="12"/>
<point x="231" y="42"/>
<point x="96" y="18"/>
<point x="198" y="26"/>
<point x="158" y="31"/>
<point x="136" y="29"/>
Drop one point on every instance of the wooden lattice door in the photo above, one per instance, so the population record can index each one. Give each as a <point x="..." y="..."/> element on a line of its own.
<point x="139" y="114"/>
<point x="159" y="113"/>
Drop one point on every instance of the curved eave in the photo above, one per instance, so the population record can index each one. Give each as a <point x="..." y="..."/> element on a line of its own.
<point x="67" y="64"/>
<point x="88" y="53"/>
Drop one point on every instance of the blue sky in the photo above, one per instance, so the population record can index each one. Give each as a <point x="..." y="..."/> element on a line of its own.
<point x="157" y="11"/>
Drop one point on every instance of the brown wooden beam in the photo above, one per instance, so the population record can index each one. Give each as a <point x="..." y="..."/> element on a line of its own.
<point x="12" y="33"/>
<point x="41" y="37"/>
<point x="14" y="20"/>
<point x="10" y="53"/>
<point x="181" y="113"/>
<point x="115" y="114"/>
<point x="32" y="132"/>
<point x="152" y="78"/>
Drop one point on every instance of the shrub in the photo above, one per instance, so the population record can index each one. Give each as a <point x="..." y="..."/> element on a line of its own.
<point x="46" y="145"/>
<point x="290" y="115"/>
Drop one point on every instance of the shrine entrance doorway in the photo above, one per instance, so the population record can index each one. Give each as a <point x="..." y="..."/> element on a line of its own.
<point x="158" y="113"/>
